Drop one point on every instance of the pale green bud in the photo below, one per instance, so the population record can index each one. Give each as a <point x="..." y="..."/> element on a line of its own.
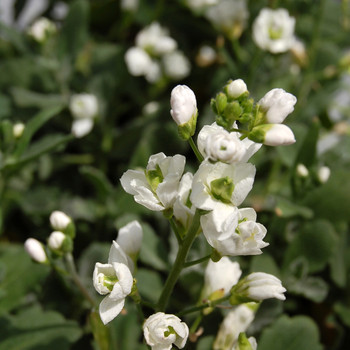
<point x="233" y="111"/>
<point x="221" y="102"/>
<point x="222" y="189"/>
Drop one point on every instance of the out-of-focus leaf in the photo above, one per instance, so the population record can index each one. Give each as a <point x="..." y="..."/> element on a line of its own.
<point x="149" y="284"/>
<point x="100" y="331"/>
<point x="205" y="343"/>
<point x="331" y="200"/>
<point x="7" y="133"/>
<point x="286" y="209"/>
<point x="316" y="241"/>
<point x="338" y="262"/>
<point x="32" y="126"/>
<point x="296" y="333"/>
<point x="19" y="276"/>
<point x="33" y="328"/>
<point x="98" y="179"/>
<point x="264" y="263"/>
<point x="153" y="252"/>
<point x="15" y="37"/>
<point x="5" y="106"/>
<point x="343" y="312"/>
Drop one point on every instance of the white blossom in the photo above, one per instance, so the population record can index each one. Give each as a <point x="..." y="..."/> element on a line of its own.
<point x="130" y="238"/>
<point x="221" y="275"/>
<point x="207" y="130"/>
<point x="138" y="61"/>
<point x="183" y="208"/>
<point x="277" y="105"/>
<point x="35" y="249"/>
<point x="83" y="106"/>
<point x="82" y="127"/>
<point x="161" y="331"/>
<point x="55" y="240"/>
<point x="114" y="280"/>
<point x="200" y="4"/>
<point x="234" y="323"/>
<point x="302" y="170"/>
<point x="221" y="185"/>
<point x="155" y="39"/>
<point x="206" y="56"/>
<point x="129" y="5"/>
<point x="18" y="129"/>
<point x="279" y="135"/>
<point x="154" y="72"/>
<point x="323" y="174"/>
<point x="273" y="30"/>
<point x="151" y="108"/>
<point x="236" y="88"/>
<point x="230" y="16"/>
<point x="41" y="29"/>
<point x="176" y="65"/>
<point x="59" y="220"/>
<point x="234" y="233"/>
<point x="225" y="147"/>
<point x="183" y="104"/>
<point x="259" y="286"/>
<point x="157" y="187"/>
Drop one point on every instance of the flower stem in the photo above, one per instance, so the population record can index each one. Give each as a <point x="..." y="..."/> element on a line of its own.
<point x="203" y="306"/>
<point x="176" y="230"/>
<point x="148" y="304"/>
<point x="195" y="150"/>
<point x="73" y="272"/>
<point x="198" y="261"/>
<point x="196" y="323"/>
<point x="179" y="263"/>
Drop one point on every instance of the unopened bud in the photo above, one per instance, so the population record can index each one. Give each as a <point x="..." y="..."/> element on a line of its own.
<point x="324" y="174"/>
<point x="221" y="102"/>
<point x="18" y="130"/>
<point x="302" y="170"/>
<point x="233" y="111"/>
<point x="236" y="88"/>
<point x="36" y="250"/>
<point x="272" y="135"/>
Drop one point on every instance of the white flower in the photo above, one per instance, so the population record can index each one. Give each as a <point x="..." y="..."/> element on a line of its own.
<point x="83" y="106"/>
<point x="200" y="4"/>
<point x="183" y="208"/>
<point x="183" y="104"/>
<point x="234" y="233"/>
<point x="138" y="61"/>
<point x="157" y="187"/>
<point x="206" y="56"/>
<point x="130" y="238"/>
<point x="207" y="130"/>
<point x="234" y="323"/>
<point x="59" y="220"/>
<point x="273" y="30"/>
<point x="230" y="16"/>
<point x="162" y="330"/>
<point x="82" y="127"/>
<point x="323" y="174"/>
<point x="115" y="280"/>
<point x="129" y="5"/>
<point x="18" y="130"/>
<point x="55" y="240"/>
<point x="220" y="185"/>
<point x="176" y="65"/>
<point x="259" y="286"/>
<point x="221" y="275"/>
<point x="151" y="108"/>
<point x="279" y="135"/>
<point x="302" y="170"/>
<point x="236" y="88"/>
<point x="154" y="72"/>
<point x="225" y="147"/>
<point x="277" y="104"/>
<point x="41" y="29"/>
<point x="60" y="10"/>
<point x="35" y="249"/>
<point x="155" y="39"/>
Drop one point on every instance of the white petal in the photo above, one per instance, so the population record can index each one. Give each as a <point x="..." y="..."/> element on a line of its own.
<point x="116" y="254"/>
<point x="128" y="177"/>
<point x="109" y="309"/>
<point x="82" y="127"/>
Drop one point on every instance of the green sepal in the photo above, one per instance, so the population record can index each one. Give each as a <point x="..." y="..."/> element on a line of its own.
<point x="187" y="130"/>
<point x="233" y="111"/>
<point x="221" y="121"/>
<point x="203" y="212"/>
<point x="237" y="299"/>
<point x="222" y="189"/>
<point x="70" y="230"/>
<point x="67" y="245"/>
<point x="213" y="106"/>
<point x="215" y="256"/>
<point x="245" y="118"/>
<point x="258" y="133"/>
<point x="221" y="102"/>
<point x="247" y="105"/>
<point x="154" y="177"/>
<point x="168" y="213"/>
<point x="243" y="342"/>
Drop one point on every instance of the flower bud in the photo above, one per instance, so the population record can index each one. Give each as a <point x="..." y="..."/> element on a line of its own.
<point x="184" y="110"/>
<point x="130" y="238"/>
<point x="59" y="220"/>
<point x="272" y="135"/>
<point x="236" y="88"/>
<point x="18" y="130"/>
<point x="233" y="111"/>
<point x="36" y="250"/>
<point x="323" y="174"/>
<point x="55" y="240"/>
<point x="42" y="29"/>
<point x="302" y="170"/>
<point x="221" y="102"/>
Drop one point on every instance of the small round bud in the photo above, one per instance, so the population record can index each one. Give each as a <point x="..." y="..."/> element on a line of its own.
<point x="236" y="88"/>
<point x="59" y="220"/>
<point x="221" y="102"/>
<point x="35" y="249"/>
<point x="183" y="104"/>
<point x="302" y="170"/>
<point x="55" y="240"/>
<point x="18" y="130"/>
<point x="323" y="174"/>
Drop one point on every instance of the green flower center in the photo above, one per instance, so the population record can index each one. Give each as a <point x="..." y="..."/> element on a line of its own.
<point x="110" y="281"/>
<point x="154" y="177"/>
<point x="222" y="189"/>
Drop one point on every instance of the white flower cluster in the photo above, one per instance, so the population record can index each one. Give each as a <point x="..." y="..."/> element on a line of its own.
<point x="156" y="53"/>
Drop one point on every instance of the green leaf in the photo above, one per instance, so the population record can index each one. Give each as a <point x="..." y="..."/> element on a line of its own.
<point x="32" y="126"/>
<point x="19" y="276"/>
<point x="264" y="263"/>
<point x="296" y="333"/>
<point x="26" y="98"/>
<point x="7" y="134"/>
<point x="286" y="209"/>
<point x="153" y="252"/>
<point x="33" y="328"/>
<point x="316" y="241"/>
<point x="100" y="331"/>
<point x="5" y="106"/>
<point x="331" y="200"/>
<point x="149" y="284"/>
<point x="337" y="261"/>
<point x="343" y="312"/>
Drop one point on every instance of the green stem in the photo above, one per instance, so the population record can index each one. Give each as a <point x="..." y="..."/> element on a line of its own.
<point x="196" y="323"/>
<point x="204" y="306"/>
<point x="73" y="272"/>
<point x="148" y="304"/>
<point x="179" y="262"/>
<point x="195" y="150"/>
<point x="176" y="230"/>
<point x="141" y="315"/>
<point x="198" y="261"/>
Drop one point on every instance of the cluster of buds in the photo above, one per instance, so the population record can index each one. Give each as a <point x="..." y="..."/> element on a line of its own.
<point x="59" y="243"/>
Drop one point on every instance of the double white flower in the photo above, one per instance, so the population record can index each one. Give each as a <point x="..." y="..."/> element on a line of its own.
<point x="157" y="187"/>
<point x="161" y="331"/>
<point x="273" y="30"/>
<point x="115" y="280"/>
